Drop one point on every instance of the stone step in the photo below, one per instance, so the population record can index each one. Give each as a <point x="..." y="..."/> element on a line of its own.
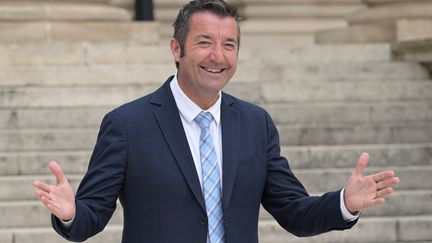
<point x="18" y="214"/>
<point x="347" y="92"/>
<point x="111" y="234"/>
<point x="30" y="163"/>
<point x="270" y="71"/>
<point x="282" y="113"/>
<point x="314" y="92"/>
<point x="338" y="71"/>
<point x="380" y="229"/>
<point x="342" y="112"/>
<point x="290" y="10"/>
<point x="414" y="178"/>
<point x="79" y="32"/>
<point x="120" y="53"/>
<point x="361" y="134"/>
<point x="345" y="156"/>
<point x="61" y="11"/>
<point x="289" y="26"/>
<point x="294" y="54"/>
<point x="84" y="54"/>
<point x="292" y="135"/>
<point x="369" y="230"/>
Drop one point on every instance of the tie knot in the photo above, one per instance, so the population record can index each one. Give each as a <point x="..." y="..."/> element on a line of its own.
<point x="204" y="119"/>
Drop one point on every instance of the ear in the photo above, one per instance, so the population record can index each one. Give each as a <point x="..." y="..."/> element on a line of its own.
<point x="175" y="49"/>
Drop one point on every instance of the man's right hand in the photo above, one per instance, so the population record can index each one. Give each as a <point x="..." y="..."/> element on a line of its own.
<point x="58" y="199"/>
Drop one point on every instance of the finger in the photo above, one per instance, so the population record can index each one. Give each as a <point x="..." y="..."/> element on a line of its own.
<point x="50" y="206"/>
<point x="385" y="193"/>
<point x="42" y="186"/>
<point x="376" y="202"/>
<point x="40" y="193"/>
<point x="58" y="172"/>
<point x="388" y="183"/>
<point x="54" y="210"/>
<point x="46" y="201"/>
<point x="381" y="176"/>
<point x="361" y="164"/>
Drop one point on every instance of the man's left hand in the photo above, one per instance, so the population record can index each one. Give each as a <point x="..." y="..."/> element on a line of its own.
<point x="362" y="192"/>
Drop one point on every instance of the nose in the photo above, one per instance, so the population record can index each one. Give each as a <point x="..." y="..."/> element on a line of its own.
<point x="217" y="54"/>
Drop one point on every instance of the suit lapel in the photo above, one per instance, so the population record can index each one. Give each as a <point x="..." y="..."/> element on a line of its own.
<point x="230" y="121"/>
<point x="169" y="121"/>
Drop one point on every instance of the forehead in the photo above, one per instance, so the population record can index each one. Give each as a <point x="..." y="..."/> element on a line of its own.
<point x="210" y="23"/>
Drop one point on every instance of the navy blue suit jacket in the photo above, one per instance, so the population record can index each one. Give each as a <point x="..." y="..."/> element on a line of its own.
<point x="142" y="157"/>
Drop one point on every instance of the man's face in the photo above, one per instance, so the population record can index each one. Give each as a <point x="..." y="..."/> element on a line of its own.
<point x="210" y="57"/>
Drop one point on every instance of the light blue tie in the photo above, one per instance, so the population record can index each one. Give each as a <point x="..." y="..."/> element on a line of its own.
<point x="210" y="180"/>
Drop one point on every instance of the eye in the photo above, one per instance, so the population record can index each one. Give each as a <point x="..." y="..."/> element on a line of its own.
<point x="230" y="46"/>
<point x="204" y="43"/>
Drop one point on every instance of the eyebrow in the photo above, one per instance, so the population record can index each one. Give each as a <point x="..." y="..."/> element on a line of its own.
<point x="229" y="39"/>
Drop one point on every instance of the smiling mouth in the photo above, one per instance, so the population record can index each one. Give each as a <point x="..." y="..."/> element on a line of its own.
<point x="214" y="70"/>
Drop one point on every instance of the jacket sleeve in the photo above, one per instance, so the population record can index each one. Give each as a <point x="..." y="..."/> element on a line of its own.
<point x="286" y="199"/>
<point x="98" y="192"/>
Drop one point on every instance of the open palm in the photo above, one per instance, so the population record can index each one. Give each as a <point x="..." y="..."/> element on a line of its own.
<point x="59" y="199"/>
<point x="362" y="192"/>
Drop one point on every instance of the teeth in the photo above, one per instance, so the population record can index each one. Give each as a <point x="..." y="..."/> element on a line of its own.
<point x="213" y="70"/>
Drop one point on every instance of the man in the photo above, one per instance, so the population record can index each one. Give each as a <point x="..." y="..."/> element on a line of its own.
<point x="193" y="164"/>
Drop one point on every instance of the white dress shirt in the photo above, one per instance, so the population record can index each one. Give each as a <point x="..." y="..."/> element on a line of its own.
<point x="188" y="111"/>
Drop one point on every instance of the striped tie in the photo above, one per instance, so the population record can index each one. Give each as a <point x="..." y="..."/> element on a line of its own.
<point x="210" y="180"/>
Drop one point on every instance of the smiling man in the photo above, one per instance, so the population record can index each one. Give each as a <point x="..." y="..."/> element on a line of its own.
<point x="191" y="163"/>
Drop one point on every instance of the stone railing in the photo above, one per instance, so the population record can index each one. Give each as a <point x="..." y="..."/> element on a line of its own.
<point x="406" y="24"/>
<point x="414" y="41"/>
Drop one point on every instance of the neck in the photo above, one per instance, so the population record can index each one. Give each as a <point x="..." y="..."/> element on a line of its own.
<point x="203" y="100"/>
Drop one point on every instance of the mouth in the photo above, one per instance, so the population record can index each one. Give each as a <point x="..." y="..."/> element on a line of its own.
<point x="214" y="70"/>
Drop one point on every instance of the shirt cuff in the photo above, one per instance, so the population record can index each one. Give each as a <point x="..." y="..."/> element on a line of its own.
<point x="347" y="216"/>
<point x="67" y="224"/>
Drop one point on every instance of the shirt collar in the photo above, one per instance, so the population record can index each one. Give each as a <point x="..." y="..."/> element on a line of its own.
<point x="188" y="109"/>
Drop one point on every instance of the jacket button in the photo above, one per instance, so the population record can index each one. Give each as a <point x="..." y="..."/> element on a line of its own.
<point x="204" y="221"/>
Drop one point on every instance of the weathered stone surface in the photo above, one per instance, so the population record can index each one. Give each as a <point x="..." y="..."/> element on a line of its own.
<point x="43" y="11"/>
<point x="415" y="228"/>
<point x="274" y="26"/>
<point x="362" y="134"/>
<point x="392" y="12"/>
<point x="111" y="234"/>
<point x="414" y="30"/>
<point x="6" y="236"/>
<point x="120" y="74"/>
<point x="348" y="92"/>
<point x="72" y="32"/>
<point x="23" y="214"/>
<point x="61" y="1"/>
<point x="36" y="163"/>
<point x="372" y="33"/>
<point x="367" y="230"/>
<point x="288" y="10"/>
<point x="345" y="156"/>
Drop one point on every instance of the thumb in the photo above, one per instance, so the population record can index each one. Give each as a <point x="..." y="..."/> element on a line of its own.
<point x="361" y="164"/>
<point x="58" y="172"/>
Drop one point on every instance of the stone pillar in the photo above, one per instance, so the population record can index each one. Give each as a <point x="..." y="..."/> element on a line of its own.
<point x="380" y="22"/>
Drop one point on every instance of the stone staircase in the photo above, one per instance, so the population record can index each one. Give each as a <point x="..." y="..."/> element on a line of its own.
<point x="330" y="102"/>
